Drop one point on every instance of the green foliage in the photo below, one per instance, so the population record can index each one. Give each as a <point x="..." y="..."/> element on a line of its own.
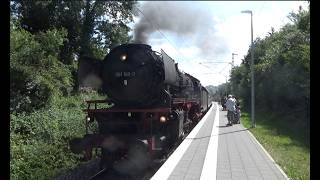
<point x="93" y="26"/>
<point x="39" y="140"/>
<point x="301" y="19"/>
<point x="240" y="80"/>
<point x="38" y="160"/>
<point x="36" y="75"/>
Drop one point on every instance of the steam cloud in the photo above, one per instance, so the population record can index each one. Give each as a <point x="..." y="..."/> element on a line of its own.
<point x="194" y="24"/>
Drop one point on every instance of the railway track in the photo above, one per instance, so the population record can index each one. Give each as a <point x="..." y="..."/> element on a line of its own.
<point x="90" y="170"/>
<point x="106" y="174"/>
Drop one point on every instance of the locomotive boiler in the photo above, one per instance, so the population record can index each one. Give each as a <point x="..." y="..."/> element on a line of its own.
<point x="152" y="104"/>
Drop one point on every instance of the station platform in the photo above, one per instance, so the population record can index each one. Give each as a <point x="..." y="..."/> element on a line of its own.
<point x="213" y="151"/>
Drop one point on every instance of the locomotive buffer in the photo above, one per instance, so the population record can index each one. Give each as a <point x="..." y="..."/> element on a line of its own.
<point x="215" y="151"/>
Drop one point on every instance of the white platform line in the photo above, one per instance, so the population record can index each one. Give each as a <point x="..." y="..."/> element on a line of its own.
<point x="209" y="168"/>
<point x="167" y="168"/>
<point x="270" y="157"/>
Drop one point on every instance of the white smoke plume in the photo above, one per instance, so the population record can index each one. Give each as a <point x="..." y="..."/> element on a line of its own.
<point x="195" y="25"/>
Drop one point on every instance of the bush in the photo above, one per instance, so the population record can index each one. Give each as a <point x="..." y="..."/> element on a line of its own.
<point x="38" y="160"/>
<point x="39" y="140"/>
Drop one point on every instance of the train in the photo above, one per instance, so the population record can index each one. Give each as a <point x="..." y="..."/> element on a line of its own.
<point x="151" y="106"/>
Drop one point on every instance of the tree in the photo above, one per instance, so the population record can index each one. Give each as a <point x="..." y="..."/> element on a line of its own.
<point x="36" y="74"/>
<point x="102" y="23"/>
<point x="93" y="27"/>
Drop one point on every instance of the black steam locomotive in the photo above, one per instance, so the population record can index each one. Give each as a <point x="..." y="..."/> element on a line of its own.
<point x="153" y="104"/>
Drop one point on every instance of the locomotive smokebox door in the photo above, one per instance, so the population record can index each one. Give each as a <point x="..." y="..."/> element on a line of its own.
<point x="132" y="75"/>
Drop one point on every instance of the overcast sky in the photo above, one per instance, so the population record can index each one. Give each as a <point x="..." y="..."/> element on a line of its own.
<point x="197" y="32"/>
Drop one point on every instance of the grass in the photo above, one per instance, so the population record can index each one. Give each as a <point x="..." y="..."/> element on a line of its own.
<point x="285" y="142"/>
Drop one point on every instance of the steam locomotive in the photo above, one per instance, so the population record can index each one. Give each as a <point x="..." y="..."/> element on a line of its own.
<point x="152" y="104"/>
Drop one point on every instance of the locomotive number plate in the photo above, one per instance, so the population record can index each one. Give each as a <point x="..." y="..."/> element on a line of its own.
<point x="125" y="74"/>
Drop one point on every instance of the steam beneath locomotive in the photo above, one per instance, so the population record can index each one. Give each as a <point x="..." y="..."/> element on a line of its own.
<point x="182" y="19"/>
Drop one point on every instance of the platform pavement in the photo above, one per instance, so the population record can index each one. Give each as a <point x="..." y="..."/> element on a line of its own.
<point x="216" y="151"/>
<point x="241" y="156"/>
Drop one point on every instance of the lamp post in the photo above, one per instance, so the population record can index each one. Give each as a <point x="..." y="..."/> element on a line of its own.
<point x="232" y="66"/>
<point x="233" y="54"/>
<point x="252" y="71"/>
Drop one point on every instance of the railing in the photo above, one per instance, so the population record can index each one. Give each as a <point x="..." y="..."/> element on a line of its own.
<point x="89" y="102"/>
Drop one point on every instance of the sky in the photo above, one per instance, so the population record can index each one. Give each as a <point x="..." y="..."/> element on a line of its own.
<point x="202" y="35"/>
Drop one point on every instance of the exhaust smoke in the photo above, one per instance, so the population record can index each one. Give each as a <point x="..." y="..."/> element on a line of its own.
<point x="185" y="19"/>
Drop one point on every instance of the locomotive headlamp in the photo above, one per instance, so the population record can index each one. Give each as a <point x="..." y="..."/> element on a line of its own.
<point x="163" y="119"/>
<point x="123" y="57"/>
<point x="88" y="119"/>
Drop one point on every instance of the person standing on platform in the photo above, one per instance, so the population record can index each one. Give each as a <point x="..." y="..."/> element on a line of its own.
<point x="231" y="108"/>
<point x="223" y="103"/>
